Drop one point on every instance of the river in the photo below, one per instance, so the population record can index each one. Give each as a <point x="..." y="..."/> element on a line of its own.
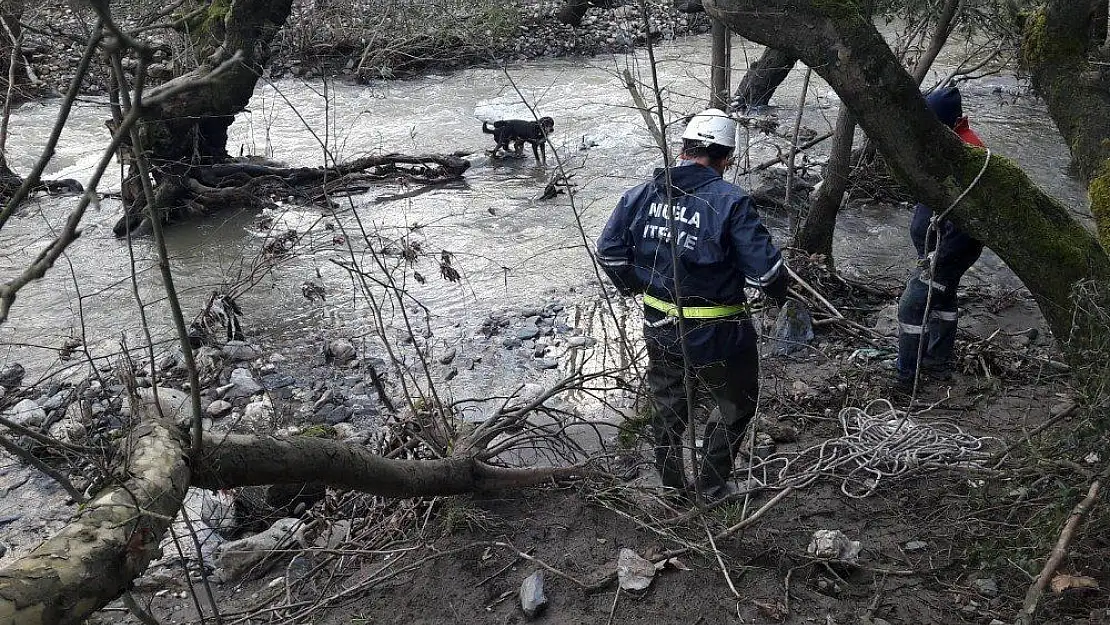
<point x="509" y="247"/>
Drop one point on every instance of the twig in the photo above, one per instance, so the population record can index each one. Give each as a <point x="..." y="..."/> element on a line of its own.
<point x="794" y="139"/>
<point x="138" y="611"/>
<point x="778" y="159"/>
<point x="1036" y="590"/>
<point x="808" y="287"/>
<point x="20" y="452"/>
<point x="720" y="562"/>
<point x="613" y="608"/>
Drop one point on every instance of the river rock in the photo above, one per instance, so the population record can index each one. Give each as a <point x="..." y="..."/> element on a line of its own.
<point x="581" y="341"/>
<point x="448" y="356"/>
<point x="243" y="383"/>
<point x="986" y="586"/>
<point x="833" y="545"/>
<point x="528" y="332"/>
<point x="339" y="414"/>
<point x="259" y="410"/>
<point x="886" y="322"/>
<point x="532" y="598"/>
<point x="513" y="342"/>
<point x="218" y="408"/>
<point x="69" y="430"/>
<point x="339" y="352"/>
<point x="547" y="363"/>
<point x="209" y="362"/>
<point x="239" y="351"/>
<point x="246" y="558"/>
<point x="218" y="512"/>
<point x="275" y="381"/>
<point x="11" y="376"/>
<point x="57" y="400"/>
<point x="26" y="413"/>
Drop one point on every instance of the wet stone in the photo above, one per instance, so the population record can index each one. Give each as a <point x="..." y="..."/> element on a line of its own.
<point x="511" y="342"/>
<point x="547" y="363"/>
<point x="339" y="415"/>
<point x="528" y="332"/>
<point x="451" y="374"/>
<point x="448" y="356"/>
<point x="277" y="380"/>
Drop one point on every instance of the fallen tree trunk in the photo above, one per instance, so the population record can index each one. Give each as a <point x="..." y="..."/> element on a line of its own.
<point x="110" y="542"/>
<point x="241" y="460"/>
<point x="93" y="560"/>
<point x="1031" y="231"/>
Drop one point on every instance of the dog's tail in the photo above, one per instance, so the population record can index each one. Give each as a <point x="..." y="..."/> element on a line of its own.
<point x="486" y="129"/>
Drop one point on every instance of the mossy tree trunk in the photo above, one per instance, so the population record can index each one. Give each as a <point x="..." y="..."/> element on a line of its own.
<point x="816" y="233"/>
<point x="1031" y="231"/>
<point x="191" y="129"/>
<point x="1063" y="48"/>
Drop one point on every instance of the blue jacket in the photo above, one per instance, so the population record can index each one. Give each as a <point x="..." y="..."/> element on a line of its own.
<point x="958" y="250"/>
<point x="722" y="247"/>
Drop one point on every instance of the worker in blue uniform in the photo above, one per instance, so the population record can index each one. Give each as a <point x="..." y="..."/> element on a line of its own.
<point x="944" y="253"/>
<point x="688" y="238"/>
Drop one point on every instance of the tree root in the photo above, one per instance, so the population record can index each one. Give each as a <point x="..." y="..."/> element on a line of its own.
<point x="203" y="190"/>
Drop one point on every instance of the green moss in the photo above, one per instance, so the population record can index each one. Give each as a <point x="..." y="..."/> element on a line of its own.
<point x="206" y="27"/>
<point x="1099" y="192"/>
<point x="632" y="429"/>
<point x="320" y="431"/>
<point x="1042" y="45"/>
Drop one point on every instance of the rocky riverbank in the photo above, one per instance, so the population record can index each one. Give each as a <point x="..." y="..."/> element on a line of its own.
<point x="340" y="42"/>
<point x="341" y="386"/>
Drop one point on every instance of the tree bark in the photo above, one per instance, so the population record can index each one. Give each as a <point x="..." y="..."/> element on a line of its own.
<point x="721" y="66"/>
<point x="815" y="236"/>
<point x="763" y="77"/>
<point x="241" y="460"/>
<point x="110" y="542"/>
<point x="1058" y="46"/>
<point x="1031" y="231"/>
<point x="190" y="129"/>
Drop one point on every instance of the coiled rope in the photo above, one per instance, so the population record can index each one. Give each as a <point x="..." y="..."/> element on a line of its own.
<point x="878" y="444"/>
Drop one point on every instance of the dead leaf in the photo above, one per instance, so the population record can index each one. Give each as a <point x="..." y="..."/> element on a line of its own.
<point x="671" y="563"/>
<point x="633" y="572"/>
<point x="774" y="610"/>
<point x="1063" y="582"/>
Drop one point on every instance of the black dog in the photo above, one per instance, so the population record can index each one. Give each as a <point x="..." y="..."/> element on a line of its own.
<point x="518" y="132"/>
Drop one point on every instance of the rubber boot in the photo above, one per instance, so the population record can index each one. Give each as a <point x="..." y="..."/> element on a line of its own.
<point x="719" y="452"/>
<point x="672" y="471"/>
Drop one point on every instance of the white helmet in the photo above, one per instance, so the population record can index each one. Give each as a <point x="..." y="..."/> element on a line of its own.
<point x="712" y="126"/>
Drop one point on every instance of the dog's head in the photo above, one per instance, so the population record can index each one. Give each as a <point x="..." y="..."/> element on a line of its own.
<point x="547" y="124"/>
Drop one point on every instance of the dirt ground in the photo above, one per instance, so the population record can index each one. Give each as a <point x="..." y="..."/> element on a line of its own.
<point x="926" y="541"/>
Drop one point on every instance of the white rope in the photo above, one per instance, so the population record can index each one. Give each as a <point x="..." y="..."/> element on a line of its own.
<point x="878" y="443"/>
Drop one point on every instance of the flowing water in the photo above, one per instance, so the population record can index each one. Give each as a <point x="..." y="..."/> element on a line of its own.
<point x="510" y="248"/>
